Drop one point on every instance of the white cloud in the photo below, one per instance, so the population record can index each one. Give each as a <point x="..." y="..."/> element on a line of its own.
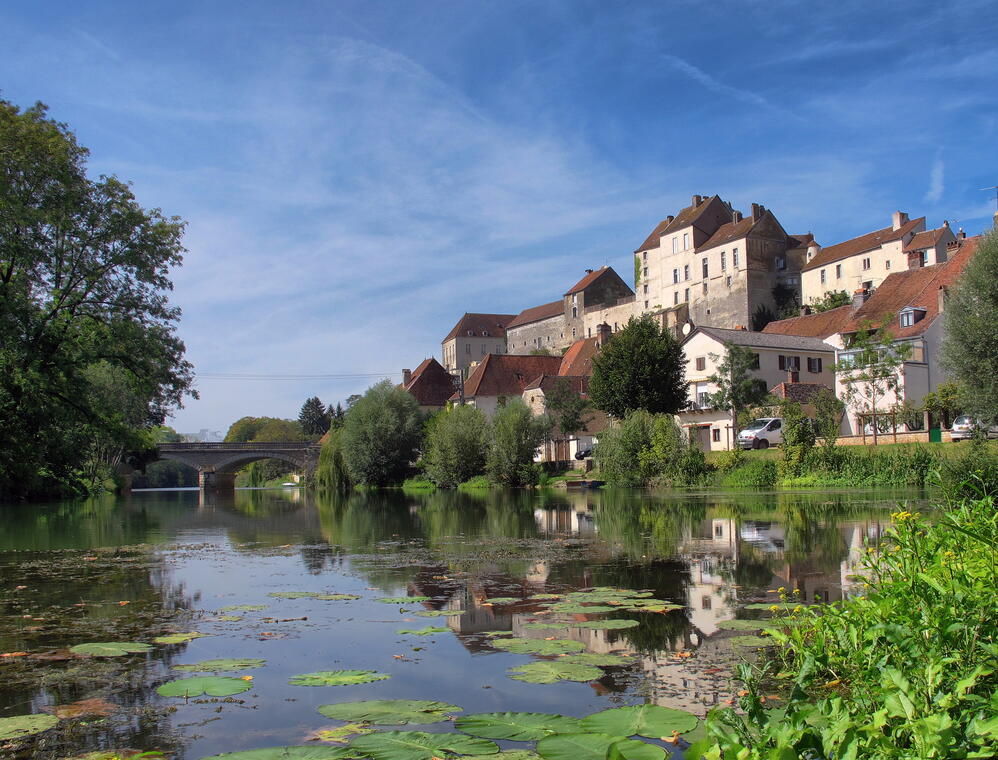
<point x="935" y="192"/>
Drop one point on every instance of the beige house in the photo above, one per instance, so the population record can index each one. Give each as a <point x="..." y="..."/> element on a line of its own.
<point x="781" y="358"/>
<point x="561" y="448"/>
<point x="472" y="339"/>
<point x="499" y="378"/>
<point x="860" y="263"/>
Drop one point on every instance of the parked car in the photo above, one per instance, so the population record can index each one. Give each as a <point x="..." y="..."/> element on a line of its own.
<point x="761" y="433"/>
<point x="965" y="425"/>
<point x="584" y="453"/>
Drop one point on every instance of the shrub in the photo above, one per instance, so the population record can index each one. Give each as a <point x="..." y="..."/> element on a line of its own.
<point x="754" y="473"/>
<point x="381" y="435"/>
<point x="331" y="472"/>
<point x="477" y="483"/>
<point x="798" y="439"/>
<point x="513" y="439"/>
<point x="455" y="446"/>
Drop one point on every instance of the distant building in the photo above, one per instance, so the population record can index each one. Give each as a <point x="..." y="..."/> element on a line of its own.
<point x="499" y="378"/>
<point x="202" y="436"/>
<point x="472" y="338"/>
<point x="430" y="384"/>
<point x="539" y="328"/>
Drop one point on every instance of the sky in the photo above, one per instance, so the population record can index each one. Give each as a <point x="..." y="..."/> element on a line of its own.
<point x="356" y="174"/>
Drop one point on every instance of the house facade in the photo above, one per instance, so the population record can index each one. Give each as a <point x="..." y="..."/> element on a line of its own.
<point x="501" y="377"/>
<point x="563" y="448"/>
<point x="472" y="339"/>
<point x="430" y="384"/>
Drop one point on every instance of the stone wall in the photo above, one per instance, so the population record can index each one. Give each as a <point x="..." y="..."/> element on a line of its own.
<point x="545" y="333"/>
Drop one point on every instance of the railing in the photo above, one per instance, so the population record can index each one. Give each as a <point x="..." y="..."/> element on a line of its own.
<point x="254" y="446"/>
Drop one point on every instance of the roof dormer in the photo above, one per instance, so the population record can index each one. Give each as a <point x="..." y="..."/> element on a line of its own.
<point x="909" y="315"/>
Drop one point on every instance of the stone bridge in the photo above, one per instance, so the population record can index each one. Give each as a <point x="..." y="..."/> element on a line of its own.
<point x="217" y="463"/>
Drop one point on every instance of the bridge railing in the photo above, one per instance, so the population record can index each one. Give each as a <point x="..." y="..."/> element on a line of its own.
<point x="254" y="446"/>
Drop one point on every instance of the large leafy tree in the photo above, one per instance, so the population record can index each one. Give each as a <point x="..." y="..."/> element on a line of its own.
<point x="641" y="367"/>
<point x="313" y="417"/>
<point x="970" y="344"/>
<point x="568" y="409"/>
<point x="833" y="299"/>
<point x="737" y="385"/>
<point x="455" y="446"/>
<point x="514" y="436"/>
<point x="382" y="435"/>
<point x="88" y="350"/>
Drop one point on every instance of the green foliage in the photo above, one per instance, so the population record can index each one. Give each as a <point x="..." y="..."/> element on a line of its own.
<point x="828" y="411"/>
<point x="286" y="753"/>
<point x="761" y="317"/>
<point x="643" y="449"/>
<point x="637" y="272"/>
<point x="392" y="712"/>
<point x="382" y="435"/>
<point x="640" y="367"/>
<point x="456" y="446"/>
<point x="331" y="471"/>
<point x="477" y="483"/>
<point x="314" y="418"/>
<point x="216" y="666"/>
<point x="516" y="726"/>
<point x="552" y="671"/>
<point x="945" y="403"/>
<point x="19" y="726"/>
<point x="567" y="408"/>
<point x="418" y="485"/>
<point x="652" y="721"/>
<point x="970" y="343"/>
<point x="110" y="648"/>
<point x="212" y="686"/>
<point x="89" y="356"/>
<point x="905" y="671"/>
<point x="419" y="745"/>
<point x="737" y="387"/>
<point x="539" y="646"/>
<point x="596" y="747"/>
<point x="337" y="678"/>
<point x="831" y="300"/>
<point x="798" y="439"/>
<point x="752" y="473"/>
<point x="269" y="429"/>
<point x="514" y="436"/>
<point x="787" y="301"/>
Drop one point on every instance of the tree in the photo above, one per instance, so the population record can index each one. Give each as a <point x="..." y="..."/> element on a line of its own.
<point x="798" y="438"/>
<point x="787" y="301"/>
<point x="250" y="429"/>
<point x="870" y="371"/>
<point x="456" y="446"/>
<point x="827" y="416"/>
<point x="567" y="408"/>
<point x="737" y="386"/>
<point x="762" y="316"/>
<point x="84" y="277"/>
<point x="831" y="300"/>
<point x="382" y="435"/>
<point x="336" y="416"/>
<point x="945" y="403"/>
<point x="514" y="436"/>
<point x="970" y="342"/>
<point x="313" y="417"/>
<point x="641" y="367"/>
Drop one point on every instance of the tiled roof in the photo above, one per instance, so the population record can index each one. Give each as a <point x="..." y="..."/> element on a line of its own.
<point x="430" y="384"/>
<point x="800" y="241"/>
<point x="728" y="232"/>
<point x="927" y="239"/>
<point x="578" y="383"/>
<point x="763" y="340"/>
<point x="802" y="393"/>
<point x="818" y="325"/>
<point x="481" y="325"/>
<point x="685" y="218"/>
<point x="588" y="280"/>
<point x="508" y="374"/>
<point x="578" y="359"/>
<point x="869" y="241"/>
<point x="918" y="288"/>
<point x="537" y="313"/>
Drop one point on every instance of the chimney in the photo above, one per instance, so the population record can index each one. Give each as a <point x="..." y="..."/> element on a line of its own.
<point x="669" y="218"/>
<point x="946" y="223"/>
<point x="697" y="199"/>
<point x="941" y="295"/>
<point x="757" y="211"/>
<point x="406" y="376"/>
<point x="859" y="297"/>
<point x="961" y="234"/>
<point x="603" y="334"/>
<point x="589" y="271"/>
<point x="899" y="219"/>
<point x="736" y="216"/>
<point x="805" y="310"/>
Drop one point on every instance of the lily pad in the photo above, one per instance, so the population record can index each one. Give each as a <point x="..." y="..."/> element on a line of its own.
<point x="546" y="626"/>
<point x="243" y="608"/>
<point x="339" y="735"/>
<point x="336" y="597"/>
<point x="110" y="648"/>
<point x="602" y="660"/>
<point x="770" y="605"/>
<point x="402" y="599"/>
<point x="642" y="720"/>
<point x="212" y="686"/>
<point x="545" y="596"/>
<point x="214" y="666"/>
<point x="742" y="625"/>
<point x="19" y="726"/>
<point x="538" y="646"/>
<point x="390" y="712"/>
<point x="229" y="618"/>
<point x="509" y="754"/>
<point x="439" y="613"/>
<point x="573" y="608"/>
<point x="337" y="678"/>
<point x="314" y="752"/>
<point x="596" y="747"/>
<point x="750" y="641"/>
<point x="423" y="631"/>
<point x="178" y="638"/>
<point x="502" y="600"/>
<point x="552" y="671"/>
<point x="294" y="594"/>
<point x="517" y="726"/>
<point x="604" y="625"/>
<point x="418" y="745"/>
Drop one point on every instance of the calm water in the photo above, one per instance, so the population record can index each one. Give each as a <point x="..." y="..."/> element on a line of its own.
<point x="158" y="562"/>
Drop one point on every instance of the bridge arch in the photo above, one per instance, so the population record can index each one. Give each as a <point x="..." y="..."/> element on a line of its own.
<point x="217" y="463"/>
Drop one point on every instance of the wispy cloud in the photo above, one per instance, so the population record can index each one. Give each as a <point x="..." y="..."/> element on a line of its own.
<point x="935" y="192"/>
<point x="702" y="77"/>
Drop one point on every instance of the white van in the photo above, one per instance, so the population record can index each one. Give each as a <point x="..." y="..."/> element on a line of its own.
<point x="761" y="433"/>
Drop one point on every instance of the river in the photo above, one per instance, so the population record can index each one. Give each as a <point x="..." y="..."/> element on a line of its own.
<point x="477" y="568"/>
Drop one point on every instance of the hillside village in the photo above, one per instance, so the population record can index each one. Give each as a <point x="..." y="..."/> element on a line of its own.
<point x="715" y="276"/>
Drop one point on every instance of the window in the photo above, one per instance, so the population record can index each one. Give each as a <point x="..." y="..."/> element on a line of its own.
<point x="645" y="272"/>
<point x="791" y="363"/>
<point x="866" y="264"/>
<point x="887" y="264"/>
<point x="467" y="348"/>
<point x="686" y="272"/>
<point x="715" y="436"/>
<point x="675" y="275"/>
<point x="705" y="288"/>
<point x="675" y="245"/>
<point x="575" y="312"/>
<point x="755" y="362"/>
<point x="705" y="600"/>
<point x="838" y="271"/>
<point x="734" y="258"/>
<point x="589" y="332"/>
<point x="907" y="318"/>
<point x="822" y="276"/>
<point x="675" y="298"/>
<point x="814" y="365"/>
<point x="718" y="531"/>
<point x="686" y="241"/>
<point x="483" y="349"/>
<point x="705" y="267"/>
<point x="644" y="255"/>
<point x="703" y="400"/>
<point x="573" y="329"/>
<point x="724" y="261"/>
<point x="686" y="295"/>
<point x="727" y="280"/>
<point x="701" y="363"/>
<point x="646" y="288"/>
<point x="781" y="263"/>
<point x="646" y="304"/>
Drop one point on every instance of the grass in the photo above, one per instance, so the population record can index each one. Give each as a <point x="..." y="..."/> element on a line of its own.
<point x="418" y="485"/>
<point x="477" y="483"/>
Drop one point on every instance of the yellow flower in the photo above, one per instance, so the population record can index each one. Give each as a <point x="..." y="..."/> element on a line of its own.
<point x="246" y="678"/>
<point x="774" y="608"/>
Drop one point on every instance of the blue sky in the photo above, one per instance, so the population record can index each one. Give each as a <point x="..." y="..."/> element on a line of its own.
<point x="358" y="174"/>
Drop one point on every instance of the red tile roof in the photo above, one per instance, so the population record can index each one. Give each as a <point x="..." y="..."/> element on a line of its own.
<point x="800" y="241"/>
<point x="588" y="280"/>
<point x="481" y="325"/>
<point x="578" y="383"/>
<point x="918" y="288"/>
<point x="869" y="241"/>
<point x="537" y="313"/>
<point x="818" y="325"/>
<point x="687" y="217"/>
<point x="430" y="384"/>
<point x="927" y="239"/>
<point x="729" y="231"/>
<point x="508" y="374"/>
<point x="578" y="359"/>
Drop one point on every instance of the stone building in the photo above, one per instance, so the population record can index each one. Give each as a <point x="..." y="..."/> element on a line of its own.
<point x="430" y="384"/>
<point x="472" y="339"/>
<point x="728" y="268"/>
<point x="600" y="293"/>
<point x="538" y="328"/>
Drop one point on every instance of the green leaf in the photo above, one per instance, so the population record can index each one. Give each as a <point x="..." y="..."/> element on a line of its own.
<point x="551" y="671"/>
<point x="336" y="597"/>
<point x="418" y="745"/>
<point x="750" y="641"/>
<point x="293" y="594"/>
<point x="770" y="605"/>
<point x="634" y="749"/>
<point x="314" y="752"/>
<point x="339" y="735"/>
<point x="178" y="638"/>
<point x="110" y="648"/>
<point x="602" y="660"/>
<point x="229" y="618"/>
<point x="571" y="608"/>
<point x="243" y="608"/>
<point x="439" y="613"/>
<point x="423" y="631"/>
<point x="402" y="599"/>
<point x="547" y="626"/>
<point x="337" y="678"/>
<point x="579" y="746"/>
<point x="743" y="625"/>
<point x="212" y="686"/>
<point x="19" y="726"/>
<point x="390" y="712"/>
<point x="538" y="646"/>
<point x="502" y="600"/>
<point x="509" y="754"/>
<point x="517" y="726"/>
<point x="545" y="596"/>
<point x="642" y="720"/>
<point x="604" y="625"/>
<point x="209" y="666"/>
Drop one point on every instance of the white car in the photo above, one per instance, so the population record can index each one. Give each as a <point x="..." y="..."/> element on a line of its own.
<point x="965" y="425"/>
<point x="761" y="433"/>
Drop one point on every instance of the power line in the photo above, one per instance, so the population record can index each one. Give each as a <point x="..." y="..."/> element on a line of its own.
<point x="248" y="376"/>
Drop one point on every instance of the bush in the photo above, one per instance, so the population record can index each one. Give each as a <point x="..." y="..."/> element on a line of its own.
<point x="514" y="436"/>
<point x="331" y="472"/>
<point x="456" y="446"/>
<point x="646" y="449"/>
<point x="381" y="435"/>
<point x="754" y="473"/>
<point x="418" y="484"/>
<point x="477" y="483"/>
<point x="798" y="439"/>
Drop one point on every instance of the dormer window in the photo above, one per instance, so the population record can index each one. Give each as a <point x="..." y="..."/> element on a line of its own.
<point x="910" y="315"/>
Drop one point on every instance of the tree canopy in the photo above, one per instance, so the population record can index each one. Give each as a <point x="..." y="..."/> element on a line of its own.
<point x="382" y="435"/>
<point x="737" y="387"/>
<point x="314" y="418"/>
<point x="89" y="356"/>
<point x="640" y="367"/>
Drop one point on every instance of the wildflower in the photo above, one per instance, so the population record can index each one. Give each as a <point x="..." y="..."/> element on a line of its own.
<point x="774" y="608"/>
